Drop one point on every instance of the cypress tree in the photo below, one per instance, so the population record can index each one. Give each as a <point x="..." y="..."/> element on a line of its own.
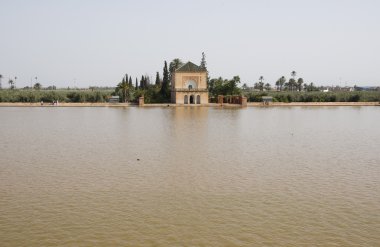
<point x="204" y="66"/>
<point x="142" y="82"/>
<point x="165" y="82"/>
<point x="147" y="81"/>
<point x="130" y="81"/>
<point x="203" y="61"/>
<point x="157" y="78"/>
<point x="136" y="84"/>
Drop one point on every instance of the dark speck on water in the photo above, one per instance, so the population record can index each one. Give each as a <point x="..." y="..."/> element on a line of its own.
<point x="285" y="176"/>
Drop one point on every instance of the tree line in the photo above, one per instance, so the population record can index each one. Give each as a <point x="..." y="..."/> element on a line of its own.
<point x="292" y="90"/>
<point x="62" y="95"/>
<point x="12" y="83"/>
<point x="157" y="92"/>
<point x="282" y="84"/>
<point x="314" y="96"/>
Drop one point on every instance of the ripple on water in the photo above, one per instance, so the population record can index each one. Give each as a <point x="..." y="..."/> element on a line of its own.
<point x="206" y="177"/>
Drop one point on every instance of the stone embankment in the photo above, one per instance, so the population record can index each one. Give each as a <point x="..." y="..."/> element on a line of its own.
<point x="250" y="104"/>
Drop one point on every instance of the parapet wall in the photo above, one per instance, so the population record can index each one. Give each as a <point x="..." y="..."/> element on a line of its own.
<point x="233" y="99"/>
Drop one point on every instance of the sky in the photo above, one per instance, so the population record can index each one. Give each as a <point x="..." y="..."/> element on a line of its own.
<point x="95" y="43"/>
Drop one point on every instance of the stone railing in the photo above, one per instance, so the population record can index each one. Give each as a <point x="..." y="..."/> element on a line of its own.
<point x="189" y="90"/>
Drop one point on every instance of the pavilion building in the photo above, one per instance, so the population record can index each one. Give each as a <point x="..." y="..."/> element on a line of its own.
<point x="189" y="85"/>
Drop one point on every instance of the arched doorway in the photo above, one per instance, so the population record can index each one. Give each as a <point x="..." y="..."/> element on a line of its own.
<point x="198" y="99"/>
<point x="186" y="100"/>
<point x="192" y="99"/>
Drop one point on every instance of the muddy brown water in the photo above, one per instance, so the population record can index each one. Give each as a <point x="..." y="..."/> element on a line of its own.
<point x="190" y="176"/>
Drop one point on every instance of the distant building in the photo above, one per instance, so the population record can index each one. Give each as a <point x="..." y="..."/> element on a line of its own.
<point x="366" y="88"/>
<point x="267" y="100"/>
<point x="114" y="99"/>
<point x="189" y="85"/>
<point x="340" y="89"/>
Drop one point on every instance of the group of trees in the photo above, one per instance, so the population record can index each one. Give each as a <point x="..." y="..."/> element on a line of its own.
<point x="1" y="78"/>
<point x="291" y="90"/>
<point x="159" y="92"/>
<point x="292" y="85"/>
<point x="62" y="95"/>
<point x="12" y="83"/>
<point x="283" y="85"/>
<point x="260" y="85"/>
<point x="220" y="86"/>
<point x="314" y="96"/>
<point x="125" y="88"/>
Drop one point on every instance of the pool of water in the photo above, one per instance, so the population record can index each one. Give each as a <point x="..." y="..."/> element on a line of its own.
<point x="190" y="176"/>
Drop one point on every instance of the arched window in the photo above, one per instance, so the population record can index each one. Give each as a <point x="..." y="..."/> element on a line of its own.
<point x="192" y="101"/>
<point x="198" y="99"/>
<point x="186" y="100"/>
<point x="191" y="83"/>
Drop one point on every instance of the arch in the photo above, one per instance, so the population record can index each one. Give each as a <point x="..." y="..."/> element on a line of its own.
<point x="191" y="83"/>
<point x="192" y="101"/>
<point x="198" y="99"/>
<point x="186" y="99"/>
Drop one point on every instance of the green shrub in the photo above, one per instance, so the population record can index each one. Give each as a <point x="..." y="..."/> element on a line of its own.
<point x="20" y="95"/>
<point x="287" y="97"/>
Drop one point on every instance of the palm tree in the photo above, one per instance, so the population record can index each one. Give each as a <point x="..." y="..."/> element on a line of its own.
<point x="261" y="83"/>
<point x="299" y="84"/>
<point x="280" y="82"/>
<point x="1" y="77"/>
<point x="175" y="64"/>
<point x="286" y="86"/>
<point x="277" y="85"/>
<point x="11" y="84"/>
<point x="37" y="86"/>
<point x="293" y="83"/>
<point x="294" y="74"/>
<point x="124" y="87"/>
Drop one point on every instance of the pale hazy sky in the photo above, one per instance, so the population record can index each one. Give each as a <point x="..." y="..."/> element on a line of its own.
<point x="96" y="42"/>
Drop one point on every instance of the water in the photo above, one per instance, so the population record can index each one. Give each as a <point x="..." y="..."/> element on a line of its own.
<point x="300" y="176"/>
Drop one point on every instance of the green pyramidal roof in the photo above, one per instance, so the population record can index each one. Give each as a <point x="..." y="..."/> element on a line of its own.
<point x="190" y="67"/>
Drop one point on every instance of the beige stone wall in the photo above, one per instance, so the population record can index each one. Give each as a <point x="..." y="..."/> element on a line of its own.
<point x="179" y="83"/>
<point x="204" y="98"/>
<point x="179" y="97"/>
<point x="180" y="78"/>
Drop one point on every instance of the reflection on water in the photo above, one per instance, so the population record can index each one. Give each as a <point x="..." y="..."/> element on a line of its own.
<point x="190" y="176"/>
